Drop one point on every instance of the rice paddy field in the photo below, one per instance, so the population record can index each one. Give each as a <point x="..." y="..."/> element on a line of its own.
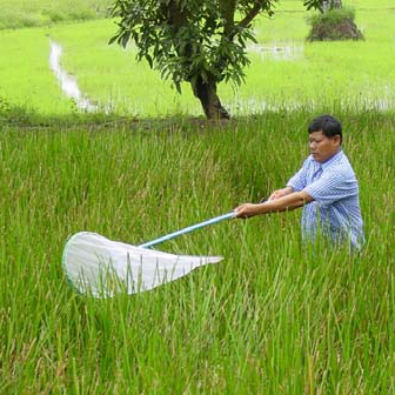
<point x="285" y="71"/>
<point x="276" y="316"/>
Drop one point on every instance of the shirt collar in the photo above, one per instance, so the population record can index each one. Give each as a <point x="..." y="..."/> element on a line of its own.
<point x="338" y="156"/>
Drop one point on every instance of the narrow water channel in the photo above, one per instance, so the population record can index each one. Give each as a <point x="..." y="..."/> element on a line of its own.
<point x="67" y="82"/>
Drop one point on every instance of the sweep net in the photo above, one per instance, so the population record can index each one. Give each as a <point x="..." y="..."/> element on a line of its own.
<point x="101" y="267"/>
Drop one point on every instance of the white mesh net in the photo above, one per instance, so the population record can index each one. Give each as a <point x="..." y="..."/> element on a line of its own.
<point x="100" y="267"/>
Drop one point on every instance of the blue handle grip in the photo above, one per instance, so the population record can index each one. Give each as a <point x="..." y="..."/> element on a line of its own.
<point x="188" y="230"/>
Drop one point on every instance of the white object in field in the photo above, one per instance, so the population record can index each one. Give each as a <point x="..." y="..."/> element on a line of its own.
<point x="98" y="266"/>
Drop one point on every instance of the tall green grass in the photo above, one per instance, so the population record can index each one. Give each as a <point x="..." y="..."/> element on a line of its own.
<point x="274" y="317"/>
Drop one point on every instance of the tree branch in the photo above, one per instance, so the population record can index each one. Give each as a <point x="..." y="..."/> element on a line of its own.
<point x="177" y="17"/>
<point x="228" y="9"/>
<point x="254" y="11"/>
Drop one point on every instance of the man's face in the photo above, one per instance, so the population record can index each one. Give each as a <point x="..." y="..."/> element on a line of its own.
<point x="323" y="148"/>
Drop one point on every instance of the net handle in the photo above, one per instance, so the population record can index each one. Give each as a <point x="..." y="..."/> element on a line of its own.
<point x="189" y="229"/>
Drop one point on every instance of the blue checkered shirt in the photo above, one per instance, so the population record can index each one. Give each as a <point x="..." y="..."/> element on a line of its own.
<point x="335" y="208"/>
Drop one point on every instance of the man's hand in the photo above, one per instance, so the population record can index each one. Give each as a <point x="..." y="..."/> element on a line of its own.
<point x="248" y="210"/>
<point x="279" y="193"/>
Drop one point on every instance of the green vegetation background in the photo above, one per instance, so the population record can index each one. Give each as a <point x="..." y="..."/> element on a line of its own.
<point x="276" y="316"/>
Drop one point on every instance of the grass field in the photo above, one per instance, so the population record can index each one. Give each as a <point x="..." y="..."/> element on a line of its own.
<point x="273" y="317"/>
<point x="276" y="316"/>
<point x="357" y="75"/>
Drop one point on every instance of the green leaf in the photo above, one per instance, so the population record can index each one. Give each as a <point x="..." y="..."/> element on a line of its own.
<point x="113" y="39"/>
<point x="125" y="39"/>
<point x="149" y="60"/>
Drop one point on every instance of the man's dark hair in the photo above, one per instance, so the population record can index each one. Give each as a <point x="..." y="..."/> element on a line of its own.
<point x="329" y="125"/>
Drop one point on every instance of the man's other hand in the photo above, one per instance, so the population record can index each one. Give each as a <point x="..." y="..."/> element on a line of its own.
<point x="279" y="193"/>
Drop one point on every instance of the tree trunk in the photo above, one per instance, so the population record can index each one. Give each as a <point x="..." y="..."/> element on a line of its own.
<point x="331" y="4"/>
<point x="206" y="92"/>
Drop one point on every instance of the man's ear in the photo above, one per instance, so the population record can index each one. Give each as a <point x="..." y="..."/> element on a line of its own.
<point x="337" y="139"/>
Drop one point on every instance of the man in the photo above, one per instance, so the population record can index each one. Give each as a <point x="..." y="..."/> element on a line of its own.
<point x="325" y="187"/>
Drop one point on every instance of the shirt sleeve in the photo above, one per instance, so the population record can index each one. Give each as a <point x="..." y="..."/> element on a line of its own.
<point x="333" y="186"/>
<point x="299" y="180"/>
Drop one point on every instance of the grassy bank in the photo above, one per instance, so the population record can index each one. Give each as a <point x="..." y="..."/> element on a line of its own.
<point x="33" y="13"/>
<point x="273" y="317"/>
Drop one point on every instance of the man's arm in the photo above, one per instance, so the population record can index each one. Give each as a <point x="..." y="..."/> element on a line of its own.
<point x="289" y="202"/>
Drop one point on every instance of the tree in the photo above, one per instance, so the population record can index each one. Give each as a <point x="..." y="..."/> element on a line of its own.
<point x="202" y="42"/>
